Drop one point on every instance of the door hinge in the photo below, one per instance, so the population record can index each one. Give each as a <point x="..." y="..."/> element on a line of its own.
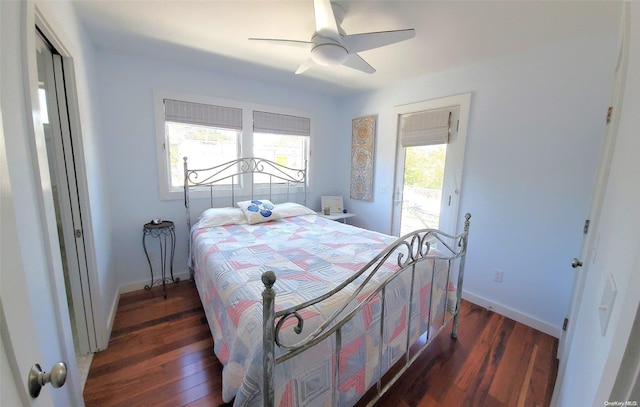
<point x="565" y="324"/>
<point x="585" y="229"/>
<point x="609" y="114"/>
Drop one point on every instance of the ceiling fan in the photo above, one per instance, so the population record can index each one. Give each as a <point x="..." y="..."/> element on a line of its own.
<point x="329" y="44"/>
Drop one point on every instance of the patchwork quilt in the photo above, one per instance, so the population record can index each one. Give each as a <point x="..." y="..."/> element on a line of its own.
<point x="310" y="256"/>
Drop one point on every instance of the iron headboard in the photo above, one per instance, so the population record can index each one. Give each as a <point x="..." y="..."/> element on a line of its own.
<point x="232" y="175"/>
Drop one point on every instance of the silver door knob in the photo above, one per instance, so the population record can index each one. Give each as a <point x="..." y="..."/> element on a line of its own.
<point x="37" y="378"/>
<point x="576" y="263"/>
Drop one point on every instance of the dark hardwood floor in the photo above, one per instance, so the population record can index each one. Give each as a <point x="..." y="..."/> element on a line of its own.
<point x="160" y="354"/>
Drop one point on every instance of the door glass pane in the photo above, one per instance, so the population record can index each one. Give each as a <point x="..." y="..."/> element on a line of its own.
<point x="422" y="191"/>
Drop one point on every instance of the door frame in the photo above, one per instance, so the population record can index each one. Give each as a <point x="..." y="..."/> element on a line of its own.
<point x="463" y="101"/>
<point x="92" y="308"/>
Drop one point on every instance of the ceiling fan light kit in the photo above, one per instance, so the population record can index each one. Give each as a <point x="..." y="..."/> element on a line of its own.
<point x="329" y="54"/>
<point x="331" y="46"/>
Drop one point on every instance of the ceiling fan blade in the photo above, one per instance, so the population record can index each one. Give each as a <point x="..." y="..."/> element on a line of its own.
<point x="305" y="66"/>
<point x="366" y="41"/>
<point x="326" y="25"/>
<point x="354" y="61"/>
<point x="293" y="43"/>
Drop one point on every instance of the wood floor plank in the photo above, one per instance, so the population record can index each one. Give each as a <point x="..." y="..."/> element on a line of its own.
<point x="161" y="354"/>
<point x="136" y="354"/>
<point x="508" y="378"/>
<point x="541" y="387"/>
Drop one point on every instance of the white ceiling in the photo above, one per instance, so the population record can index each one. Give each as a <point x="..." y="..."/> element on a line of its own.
<point x="214" y="34"/>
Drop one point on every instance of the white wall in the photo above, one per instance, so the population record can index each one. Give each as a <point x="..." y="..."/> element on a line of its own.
<point x="536" y="124"/>
<point x="126" y="85"/>
<point x="594" y="359"/>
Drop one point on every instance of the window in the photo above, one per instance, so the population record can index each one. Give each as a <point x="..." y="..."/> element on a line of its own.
<point x="280" y="138"/>
<point x="211" y="132"/>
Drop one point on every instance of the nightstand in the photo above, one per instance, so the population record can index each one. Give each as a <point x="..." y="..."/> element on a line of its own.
<point x="166" y="235"/>
<point x="338" y="216"/>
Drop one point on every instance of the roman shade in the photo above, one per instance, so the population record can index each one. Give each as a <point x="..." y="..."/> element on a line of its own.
<point x="429" y="127"/>
<point x="203" y="114"/>
<point x="264" y="122"/>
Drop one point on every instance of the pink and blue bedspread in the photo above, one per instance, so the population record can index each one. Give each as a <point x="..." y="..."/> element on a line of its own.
<point x="310" y="255"/>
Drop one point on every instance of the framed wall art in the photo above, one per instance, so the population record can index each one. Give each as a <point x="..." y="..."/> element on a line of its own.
<point x="363" y="132"/>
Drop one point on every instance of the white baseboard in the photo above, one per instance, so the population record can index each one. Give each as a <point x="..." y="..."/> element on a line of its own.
<point x="139" y="285"/>
<point x="512" y="314"/>
<point x="112" y="317"/>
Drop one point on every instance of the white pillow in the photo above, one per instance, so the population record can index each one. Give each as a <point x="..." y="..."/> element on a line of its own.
<point x="258" y="211"/>
<point x="288" y="209"/>
<point x="221" y="216"/>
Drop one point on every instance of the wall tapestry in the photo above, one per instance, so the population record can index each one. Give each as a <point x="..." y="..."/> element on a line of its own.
<point x="363" y="132"/>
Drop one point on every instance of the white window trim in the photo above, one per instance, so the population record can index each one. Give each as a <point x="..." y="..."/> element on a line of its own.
<point x="245" y="147"/>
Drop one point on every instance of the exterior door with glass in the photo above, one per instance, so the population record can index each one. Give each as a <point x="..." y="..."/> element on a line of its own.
<point x="429" y="161"/>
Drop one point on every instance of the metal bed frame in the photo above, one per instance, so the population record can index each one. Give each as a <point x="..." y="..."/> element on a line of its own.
<point x="407" y="252"/>
<point x="211" y="180"/>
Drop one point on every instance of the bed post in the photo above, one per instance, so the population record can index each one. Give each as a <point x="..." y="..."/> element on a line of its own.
<point x="186" y="193"/>
<point x="454" y="331"/>
<point x="268" y="337"/>
<point x="186" y="206"/>
<point x="304" y="185"/>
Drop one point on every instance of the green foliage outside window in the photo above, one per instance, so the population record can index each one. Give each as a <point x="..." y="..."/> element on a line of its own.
<point x="424" y="166"/>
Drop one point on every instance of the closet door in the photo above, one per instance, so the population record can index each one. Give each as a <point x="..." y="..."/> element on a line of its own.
<point x="60" y="153"/>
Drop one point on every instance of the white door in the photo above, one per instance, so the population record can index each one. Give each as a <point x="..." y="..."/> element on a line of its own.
<point x="592" y="356"/>
<point x="34" y="326"/>
<point x="581" y="265"/>
<point x="18" y="332"/>
<point x="419" y="207"/>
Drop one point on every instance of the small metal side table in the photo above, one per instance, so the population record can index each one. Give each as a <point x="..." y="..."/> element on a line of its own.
<point x="166" y="235"/>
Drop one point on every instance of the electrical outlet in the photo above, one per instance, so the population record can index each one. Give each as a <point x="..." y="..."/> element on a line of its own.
<point x="497" y="276"/>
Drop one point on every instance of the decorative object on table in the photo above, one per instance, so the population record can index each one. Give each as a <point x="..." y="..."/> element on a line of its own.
<point x="164" y="231"/>
<point x="363" y="131"/>
<point x="333" y="203"/>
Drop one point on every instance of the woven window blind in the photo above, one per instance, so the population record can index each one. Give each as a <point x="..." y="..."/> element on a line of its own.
<point x="203" y="114"/>
<point x="264" y="122"/>
<point x="425" y="128"/>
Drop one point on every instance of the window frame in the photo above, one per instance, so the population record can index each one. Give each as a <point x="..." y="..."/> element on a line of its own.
<point x="245" y="146"/>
